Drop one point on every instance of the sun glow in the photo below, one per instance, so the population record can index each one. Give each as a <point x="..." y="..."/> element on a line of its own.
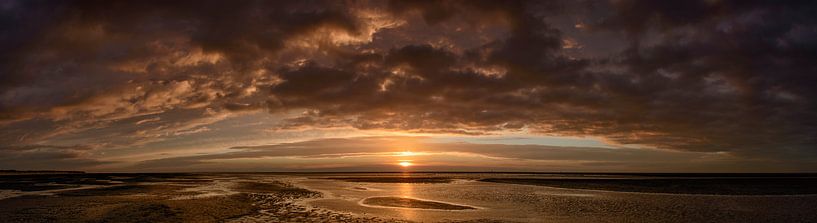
<point x="406" y="153"/>
<point x="405" y="163"/>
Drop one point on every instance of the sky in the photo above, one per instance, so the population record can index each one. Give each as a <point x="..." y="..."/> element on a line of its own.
<point x="550" y="86"/>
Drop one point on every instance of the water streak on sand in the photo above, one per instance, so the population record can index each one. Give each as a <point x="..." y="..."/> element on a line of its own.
<point x="412" y="203"/>
<point x="4" y="194"/>
<point x="214" y="189"/>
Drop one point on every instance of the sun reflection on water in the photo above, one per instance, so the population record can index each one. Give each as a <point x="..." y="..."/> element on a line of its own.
<point x="406" y="190"/>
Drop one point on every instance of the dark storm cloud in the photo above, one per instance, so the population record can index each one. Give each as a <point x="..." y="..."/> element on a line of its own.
<point x="709" y="76"/>
<point x="90" y="64"/>
<point x="83" y="50"/>
<point x="720" y="75"/>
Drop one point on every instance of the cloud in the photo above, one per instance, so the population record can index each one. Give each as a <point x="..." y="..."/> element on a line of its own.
<point x="700" y="76"/>
<point x="47" y="157"/>
<point x="363" y="152"/>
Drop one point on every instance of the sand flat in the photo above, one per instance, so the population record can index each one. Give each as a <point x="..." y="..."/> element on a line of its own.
<point x="404" y="202"/>
<point x="704" y="186"/>
<point x="396" y="197"/>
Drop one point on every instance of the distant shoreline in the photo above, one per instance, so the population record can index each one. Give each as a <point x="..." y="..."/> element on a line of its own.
<point x="37" y="172"/>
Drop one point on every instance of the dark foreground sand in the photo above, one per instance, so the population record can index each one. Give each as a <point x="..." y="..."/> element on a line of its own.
<point x="158" y="198"/>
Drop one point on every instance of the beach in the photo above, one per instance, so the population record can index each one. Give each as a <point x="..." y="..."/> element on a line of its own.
<point x="405" y="197"/>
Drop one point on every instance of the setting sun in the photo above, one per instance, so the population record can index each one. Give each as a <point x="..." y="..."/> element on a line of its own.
<point x="408" y="111"/>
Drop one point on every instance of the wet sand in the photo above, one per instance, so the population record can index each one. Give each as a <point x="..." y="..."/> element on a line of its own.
<point x="404" y="197"/>
<point x="160" y="198"/>
<point x="716" y="186"/>
<point x="424" y="180"/>
<point x="403" y="202"/>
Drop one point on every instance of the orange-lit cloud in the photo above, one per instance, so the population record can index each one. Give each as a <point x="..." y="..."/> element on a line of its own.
<point x="136" y="78"/>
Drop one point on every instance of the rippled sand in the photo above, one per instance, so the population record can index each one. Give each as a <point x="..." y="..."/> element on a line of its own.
<point x="403" y="197"/>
